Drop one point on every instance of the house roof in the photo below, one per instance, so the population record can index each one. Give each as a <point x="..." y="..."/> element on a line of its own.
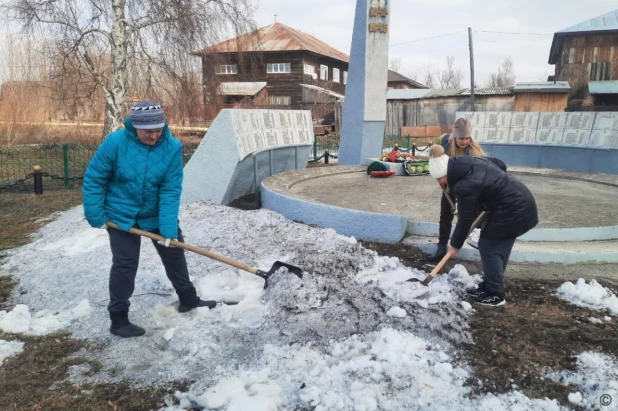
<point x="394" y="77"/>
<point x="240" y="88"/>
<point x="603" y="87"/>
<point x="276" y="37"/>
<point x="488" y="91"/>
<point x="406" y="94"/>
<point x="447" y="92"/>
<point x="323" y="90"/>
<point x="606" y="23"/>
<point x="542" y="87"/>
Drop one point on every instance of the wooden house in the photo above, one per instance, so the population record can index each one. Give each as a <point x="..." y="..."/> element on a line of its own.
<point x="586" y="52"/>
<point x="277" y="66"/>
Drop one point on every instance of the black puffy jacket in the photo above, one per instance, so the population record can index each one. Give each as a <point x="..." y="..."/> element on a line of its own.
<point x="482" y="184"/>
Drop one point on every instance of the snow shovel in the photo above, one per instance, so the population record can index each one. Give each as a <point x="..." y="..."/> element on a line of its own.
<point x="446" y="257"/>
<point x="264" y="274"/>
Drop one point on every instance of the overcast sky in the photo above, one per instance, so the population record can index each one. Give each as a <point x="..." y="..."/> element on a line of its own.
<point x="332" y="21"/>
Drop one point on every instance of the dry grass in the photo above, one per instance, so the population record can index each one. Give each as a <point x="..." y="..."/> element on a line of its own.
<point x="21" y="214"/>
<point x="86" y="133"/>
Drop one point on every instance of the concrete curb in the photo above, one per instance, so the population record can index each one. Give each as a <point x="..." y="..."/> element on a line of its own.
<point x="539" y="254"/>
<point x="423" y="228"/>
<point x="367" y="226"/>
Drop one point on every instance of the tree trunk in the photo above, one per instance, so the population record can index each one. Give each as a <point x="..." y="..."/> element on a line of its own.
<point x="116" y="91"/>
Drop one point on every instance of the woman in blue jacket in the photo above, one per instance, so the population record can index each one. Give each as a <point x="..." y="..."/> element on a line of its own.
<point x="135" y="180"/>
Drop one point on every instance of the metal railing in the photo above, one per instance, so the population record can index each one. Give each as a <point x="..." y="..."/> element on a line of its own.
<point x="65" y="163"/>
<point x="405" y="142"/>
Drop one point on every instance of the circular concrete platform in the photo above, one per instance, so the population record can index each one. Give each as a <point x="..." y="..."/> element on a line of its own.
<point x="575" y="209"/>
<point x="561" y="203"/>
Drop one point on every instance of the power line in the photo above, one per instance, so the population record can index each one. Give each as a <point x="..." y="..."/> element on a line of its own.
<point x="512" y="32"/>
<point x="426" y="38"/>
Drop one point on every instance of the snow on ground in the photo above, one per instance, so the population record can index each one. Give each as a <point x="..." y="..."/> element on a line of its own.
<point x="592" y="295"/>
<point x="9" y="348"/>
<point x="597" y="379"/>
<point x="353" y="334"/>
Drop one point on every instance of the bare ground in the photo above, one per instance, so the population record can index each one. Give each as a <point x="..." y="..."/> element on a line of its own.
<point x="514" y="344"/>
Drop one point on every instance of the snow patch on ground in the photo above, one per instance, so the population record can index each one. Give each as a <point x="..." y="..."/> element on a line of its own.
<point x="9" y="349"/>
<point x="590" y="295"/>
<point x="596" y="376"/>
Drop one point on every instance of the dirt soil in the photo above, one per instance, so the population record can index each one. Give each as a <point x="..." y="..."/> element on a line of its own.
<point x="533" y="333"/>
<point x="514" y="345"/>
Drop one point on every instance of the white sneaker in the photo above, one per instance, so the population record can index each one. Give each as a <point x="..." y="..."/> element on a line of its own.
<point x="473" y="238"/>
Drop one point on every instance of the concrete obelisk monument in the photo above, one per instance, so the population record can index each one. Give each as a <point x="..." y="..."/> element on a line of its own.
<point x="364" y="108"/>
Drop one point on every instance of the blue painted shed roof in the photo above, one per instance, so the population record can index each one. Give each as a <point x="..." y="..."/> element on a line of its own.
<point x="603" y="87"/>
<point x="542" y="87"/>
<point x="606" y="23"/>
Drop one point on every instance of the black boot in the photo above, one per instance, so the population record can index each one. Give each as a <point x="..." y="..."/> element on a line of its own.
<point x="440" y="252"/>
<point x="200" y="303"/>
<point x="122" y="327"/>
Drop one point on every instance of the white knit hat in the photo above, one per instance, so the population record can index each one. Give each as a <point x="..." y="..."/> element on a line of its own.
<point x="438" y="161"/>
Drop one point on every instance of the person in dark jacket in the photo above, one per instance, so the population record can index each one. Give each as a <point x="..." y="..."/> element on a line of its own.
<point x="458" y="143"/>
<point x="135" y="180"/>
<point x="482" y="184"/>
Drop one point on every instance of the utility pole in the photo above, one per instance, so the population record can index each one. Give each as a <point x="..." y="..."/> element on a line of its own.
<point x="471" y="67"/>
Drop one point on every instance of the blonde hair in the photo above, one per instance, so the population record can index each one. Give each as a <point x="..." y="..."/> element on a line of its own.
<point x="475" y="149"/>
<point x="436" y="151"/>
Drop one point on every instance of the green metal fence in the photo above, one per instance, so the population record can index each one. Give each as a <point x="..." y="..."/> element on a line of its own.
<point x="62" y="164"/>
<point x="331" y="143"/>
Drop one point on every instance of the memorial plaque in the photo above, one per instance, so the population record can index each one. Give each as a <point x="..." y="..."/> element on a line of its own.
<point x="496" y="135"/>
<point x="576" y="137"/>
<point x="257" y="130"/>
<point x="498" y="119"/>
<point x="606" y="121"/>
<point x="477" y="133"/>
<point x="549" y="136"/>
<point x="524" y="120"/>
<point x="222" y="168"/>
<point x="603" y="138"/>
<point x="477" y="119"/>
<point x="581" y="121"/>
<point x="522" y="135"/>
<point x="552" y="120"/>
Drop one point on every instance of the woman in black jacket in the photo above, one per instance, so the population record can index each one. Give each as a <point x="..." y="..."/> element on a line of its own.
<point x="482" y="184"/>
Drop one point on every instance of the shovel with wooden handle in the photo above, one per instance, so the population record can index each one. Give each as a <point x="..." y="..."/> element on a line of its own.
<point x="446" y="257"/>
<point x="264" y="274"/>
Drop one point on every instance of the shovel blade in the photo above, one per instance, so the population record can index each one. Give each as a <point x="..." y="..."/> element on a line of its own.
<point x="291" y="268"/>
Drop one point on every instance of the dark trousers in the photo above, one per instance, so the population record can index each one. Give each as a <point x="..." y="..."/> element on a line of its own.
<point x="495" y="256"/>
<point x="446" y="220"/>
<point x="125" y="260"/>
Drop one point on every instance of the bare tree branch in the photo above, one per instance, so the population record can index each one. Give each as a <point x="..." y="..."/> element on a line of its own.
<point x="123" y="43"/>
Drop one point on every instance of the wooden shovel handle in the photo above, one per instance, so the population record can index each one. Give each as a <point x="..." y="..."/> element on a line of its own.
<point x="188" y="247"/>
<point x="450" y="200"/>
<point x="439" y="266"/>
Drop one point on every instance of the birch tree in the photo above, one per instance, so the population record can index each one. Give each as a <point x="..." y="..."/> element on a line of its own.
<point x="149" y="34"/>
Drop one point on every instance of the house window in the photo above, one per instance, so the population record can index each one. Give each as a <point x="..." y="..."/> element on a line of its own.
<point x="336" y="75"/>
<point x="308" y="69"/>
<point x="226" y="69"/>
<point x="279" y="100"/>
<point x="345" y="77"/>
<point x="323" y="72"/>
<point x="278" y="68"/>
<point x="601" y="71"/>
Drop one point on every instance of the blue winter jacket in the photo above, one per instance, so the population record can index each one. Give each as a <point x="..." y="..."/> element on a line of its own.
<point x="128" y="182"/>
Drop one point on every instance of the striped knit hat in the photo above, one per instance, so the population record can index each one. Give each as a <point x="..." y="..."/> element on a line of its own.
<point x="147" y="115"/>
